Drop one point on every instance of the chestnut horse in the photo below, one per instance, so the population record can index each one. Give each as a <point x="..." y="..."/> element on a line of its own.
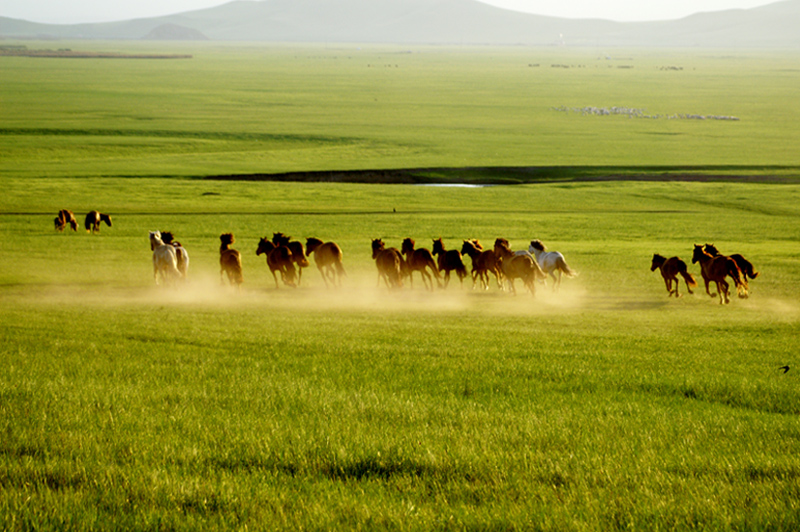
<point x="298" y="253"/>
<point x="65" y="217"/>
<point x="165" y="262"/>
<point x="717" y="269"/>
<point x="670" y="268"/>
<point x="420" y="260"/>
<point x="744" y="265"/>
<point x="230" y="261"/>
<point x="93" y="219"/>
<point x="484" y="262"/>
<point x="180" y="252"/>
<point x="328" y="258"/>
<point x="279" y="259"/>
<point x="517" y="266"/>
<point x="389" y="262"/>
<point x="551" y="262"/>
<point x="449" y="261"/>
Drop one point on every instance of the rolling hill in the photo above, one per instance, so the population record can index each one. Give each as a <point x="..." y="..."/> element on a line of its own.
<point x="433" y="22"/>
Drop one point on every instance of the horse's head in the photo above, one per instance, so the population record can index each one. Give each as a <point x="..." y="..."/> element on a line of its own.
<point x="408" y="246"/>
<point x="106" y="218"/>
<point x="377" y="247"/>
<point x="280" y="239"/>
<point x="658" y="260"/>
<point x="711" y="249"/>
<point x="312" y="244"/>
<point x="698" y="253"/>
<point x="502" y="248"/>
<point x="537" y="245"/>
<point x="167" y="237"/>
<point x="438" y="246"/>
<point x="155" y="239"/>
<point x="471" y="247"/>
<point x="264" y="246"/>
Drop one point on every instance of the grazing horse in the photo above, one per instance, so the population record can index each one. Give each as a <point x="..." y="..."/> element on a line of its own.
<point x="449" y="261"/>
<point x="389" y="262"/>
<point x="298" y="253"/>
<point x="93" y="219"/>
<point x="717" y="269"/>
<point x="517" y="266"/>
<point x="484" y="262"/>
<point x="230" y="261"/>
<point x="744" y="265"/>
<point x="180" y="252"/>
<point x="279" y="259"/>
<point x="65" y="217"/>
<point x="420" y="260"/>
<point x="551" y="262"/>
<point x="328" y="258"/>
<point x="670" y="268"/>
<point x="165" y="261"/>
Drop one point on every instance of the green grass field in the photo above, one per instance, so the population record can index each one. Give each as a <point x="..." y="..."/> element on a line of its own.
<point x="605" y="406"/>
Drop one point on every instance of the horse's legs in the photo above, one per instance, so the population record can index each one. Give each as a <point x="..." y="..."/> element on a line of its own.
<point x="323" y="272"/>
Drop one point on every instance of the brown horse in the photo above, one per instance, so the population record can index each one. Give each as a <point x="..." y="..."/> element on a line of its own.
<point x="744" y="265"/>
<point x="389" y="262"/>
<point x="230" y="261"/>
<point x="519" y="265"/>
<point x="180" y="252"/>
<point x="65" y="217"/>
<point x="279" y="259"/>
<point x="298" y="253"/>
<point x="484" y="262"/>
<point x="449" y="261"/>
<point x="717" y="269"/>
<point x="328" y="258"/>
<point x="420" y="260"/>
<point x="93" y="219"/>
<point x="670" y="268"/>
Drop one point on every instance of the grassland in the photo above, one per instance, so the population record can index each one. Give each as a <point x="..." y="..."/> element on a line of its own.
<point x="606" y="406"/>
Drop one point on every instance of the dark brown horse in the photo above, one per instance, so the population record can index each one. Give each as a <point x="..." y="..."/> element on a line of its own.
<point x="389" y="262"/>
<point x="181" y="254"/>
<point x="279" y="259"/>
<point x="420" y="260"/>
<point x="670" y="268"/>
<point x="744" y="265"/>
<point x="717" y="269"/>
<point x="328" y="258"/>
<point x="519" y="265"/>
<point x="484" y="262"/>
<point x="93" y="219"/>
<point x="448" y="261"/>
<point x="298" y="253"/>
<point x="63" y="218"/>
<point x="230" y="261"/>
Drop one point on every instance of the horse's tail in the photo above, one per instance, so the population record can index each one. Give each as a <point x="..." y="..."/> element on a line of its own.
<point x="302" y="262"/>
<point x="745" y="266"/>
<point x="564" y="268"/>
<point x="691" y="282"/>
<point x="738" y="279"/>
<point x="340" y="268"/>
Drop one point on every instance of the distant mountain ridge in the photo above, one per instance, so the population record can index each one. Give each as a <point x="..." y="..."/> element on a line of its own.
<point x="433" y="22"/>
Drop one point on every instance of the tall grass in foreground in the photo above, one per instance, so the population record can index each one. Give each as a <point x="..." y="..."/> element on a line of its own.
<point x="606" y="406"/>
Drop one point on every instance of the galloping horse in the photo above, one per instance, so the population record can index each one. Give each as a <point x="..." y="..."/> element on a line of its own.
<point x="328" y="258"/>
<point x="551" y="262"/>
<point x="279" y="259"/>
<point x="65" y="217"/>
<point x="449" y="261"/>
<point x="716" y="269"/>
<point x="419" y="260"/>
<point x="93" y="219"/>
<point x="517" y="266"/>
<point x="298" y="253"/>
<point x="230" y="261"/>
<point x="484" y="262"/>
<point x="164" y="260"/>
<point x="744" y="265"/>
<point x="670" y="268"/>
<point x="389" y="262"/>
<point x="180" y="252"/>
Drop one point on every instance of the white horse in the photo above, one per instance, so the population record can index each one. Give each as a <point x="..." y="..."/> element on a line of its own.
<point x="551" y="262"/>
<point x="165" y="261"/>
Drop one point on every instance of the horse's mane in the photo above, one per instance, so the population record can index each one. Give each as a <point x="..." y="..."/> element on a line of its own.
<point x="167" y="237"/>
<point x="280" y="239"/>
<point x="711" y="249"/>
<point x="537" y="244"/>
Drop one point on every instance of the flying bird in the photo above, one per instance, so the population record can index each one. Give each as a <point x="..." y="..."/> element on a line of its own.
<point x="784" y="368"/>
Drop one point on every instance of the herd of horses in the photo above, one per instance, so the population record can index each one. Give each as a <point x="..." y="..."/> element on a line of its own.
<point x="714" y="267"/>
<point x="286" y="259"/>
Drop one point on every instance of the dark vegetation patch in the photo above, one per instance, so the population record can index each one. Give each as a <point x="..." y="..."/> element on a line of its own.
<point x="68" y="53"/>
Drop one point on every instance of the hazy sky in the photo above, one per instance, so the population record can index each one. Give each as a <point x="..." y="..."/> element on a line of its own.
<point x="75" y="11"/>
